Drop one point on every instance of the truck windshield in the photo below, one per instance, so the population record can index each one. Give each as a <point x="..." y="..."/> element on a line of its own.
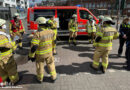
<point x="43" y="13"/>
<point x="84" y="14"/>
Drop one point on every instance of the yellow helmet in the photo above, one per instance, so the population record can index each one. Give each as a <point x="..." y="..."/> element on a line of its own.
<point x="41" y="20"/>
<point x="90" y="17"/>
<point x="101" y="17"/>
<point x="16" y="14"/>
<point x="74" y="16"/>
<point x="2" y="21"/>
<point x="107" y="19"/>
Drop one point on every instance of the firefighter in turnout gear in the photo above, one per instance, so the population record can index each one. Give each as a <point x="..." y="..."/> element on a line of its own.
<point x="16" y="28"/>
<point x="91" y="29"/>
<point x="99" y="26"/>
<point x="42" y="50"/>
<point x="8" y="67"/>
<point x="73" y="28"/>
<point x="53" y="27"/>
<point x="103" y="44"/>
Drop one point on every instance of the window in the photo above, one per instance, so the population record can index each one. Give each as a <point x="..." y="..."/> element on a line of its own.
<point x="84" y="14"/>
<point x="13" y="0"/>
<point x="44" y="13"/>
<point x="21" y="2"/>
<point x="90" y="5"/>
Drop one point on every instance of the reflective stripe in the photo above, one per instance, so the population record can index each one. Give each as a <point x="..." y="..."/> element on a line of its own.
<point x="45" y="43"/>
<point x="44" y="51"/>
<point x="14" y="77"/>
<point x="53" y="73"/>
<point x="34" y="41"/>
<point x="104" y="65"/>
<point x="96" y="63"/>
<point x="32" y="55"/>
<point x="4" y="41"/>
<point x="99" y="33"/>
<point x="105" y="44"/>
<point x="6" y="53"/>
<point x="40" y="76"/>
<point x="107" y="38"/>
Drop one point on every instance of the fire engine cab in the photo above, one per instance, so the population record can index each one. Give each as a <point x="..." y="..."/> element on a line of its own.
<point x="62" y="15"/>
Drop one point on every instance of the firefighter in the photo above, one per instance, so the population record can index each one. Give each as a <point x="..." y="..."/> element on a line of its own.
<point x="16" y="28"/>
<point x="122" y="38"/>
<point x="53" y="27"/>
<point x="100" y="24"/>
<point x="91" y="29"/>
<point x="103" y="44"/>
<point x="42" y="50"/>
<point x="73" y="28"/>
<point x="8" y="67"/>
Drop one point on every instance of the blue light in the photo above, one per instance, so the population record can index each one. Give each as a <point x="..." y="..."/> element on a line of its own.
<point x="78" y="5"/>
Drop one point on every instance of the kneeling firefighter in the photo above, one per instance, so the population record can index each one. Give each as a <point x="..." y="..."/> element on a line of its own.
<point x="42" y="50"/>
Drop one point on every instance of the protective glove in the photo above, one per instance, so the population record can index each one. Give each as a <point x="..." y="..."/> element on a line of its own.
<point x="98" y="39"/>
<point x="18" y="41"/>
<point x="32" y="59"/>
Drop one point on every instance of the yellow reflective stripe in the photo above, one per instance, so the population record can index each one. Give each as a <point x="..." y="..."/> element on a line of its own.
<point x="40" y="76"/>
<point x="96" y="63"/>
<point x="32" y="55"/>
<point x="105" y="65"/>
<point x="14" y="77"/>
<point x="45" y="43"/>
<point x="34" y="41"/>
<point x="44" y="51"/>
<point x="105" y="44"/>
<point x="99" y="34"/>
<point x="107" y="38"/>
<point x="4" y="41"/>
<point x="6" y="53"/>
<point x="53" y="73"/>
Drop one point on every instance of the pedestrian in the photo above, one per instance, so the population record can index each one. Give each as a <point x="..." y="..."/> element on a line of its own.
<point x="53" y="27"/>
<point x="128" y="48"/>
<point x="73" y="28"/>
<point x="122" y="38"/>
<point x="17" y="29"/>
<point x="103" y="44"/>
<point x="42" y="50"/>
<point x="91" y="29"/>
<point x="8" y="67"/>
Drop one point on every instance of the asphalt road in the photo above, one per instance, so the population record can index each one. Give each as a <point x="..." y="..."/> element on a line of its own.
<point x="72" y="65"/>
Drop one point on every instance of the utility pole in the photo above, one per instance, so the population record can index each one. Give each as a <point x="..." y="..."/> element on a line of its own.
<point x="118" y="16"/>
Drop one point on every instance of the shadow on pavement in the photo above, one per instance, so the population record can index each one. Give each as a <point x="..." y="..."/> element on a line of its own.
<point x="31" y="78"/>
<point x="90" y="55"/>
<point x="22" y="51"/>
<point x="79" y="48"/>
<point x="20" y="60"/>
<point x="76" y="68"/>
<point x="116" y="65"/>
<point x="113" y="56"/>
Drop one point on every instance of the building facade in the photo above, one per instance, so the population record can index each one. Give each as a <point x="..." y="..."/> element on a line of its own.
<point x="104" y="7"/>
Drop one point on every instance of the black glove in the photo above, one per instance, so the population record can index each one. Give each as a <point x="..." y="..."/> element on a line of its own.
<point x="32" y="59"/>
<point x="18" y="41"/>
<point x="98" y="39"/>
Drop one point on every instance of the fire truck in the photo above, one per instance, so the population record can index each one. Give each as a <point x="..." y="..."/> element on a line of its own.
<point x="62" y="15"/>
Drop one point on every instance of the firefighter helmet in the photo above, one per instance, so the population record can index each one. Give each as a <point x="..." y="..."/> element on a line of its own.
<point x="2" y="21"/>
<point x="41" y="20"/>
